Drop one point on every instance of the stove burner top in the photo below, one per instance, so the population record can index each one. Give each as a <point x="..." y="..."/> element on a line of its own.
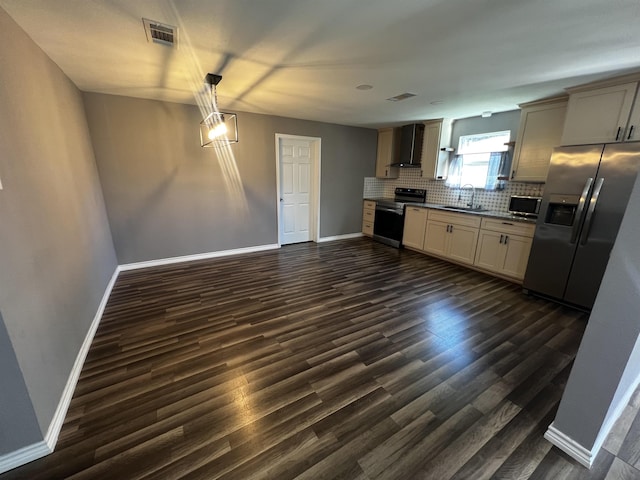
<point x="403" y="196"/>
<point x="410" y="195"/>
<point x="388" y="203"/>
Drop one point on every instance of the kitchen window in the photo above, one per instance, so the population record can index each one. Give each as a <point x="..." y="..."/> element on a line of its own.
<point x="481" y="160"/>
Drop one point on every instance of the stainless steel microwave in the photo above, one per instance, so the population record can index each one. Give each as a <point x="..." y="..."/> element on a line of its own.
<point x="525" y="206"/>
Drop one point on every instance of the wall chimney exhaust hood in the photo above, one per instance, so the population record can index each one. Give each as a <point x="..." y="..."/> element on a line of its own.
<point x="411" y="139"/>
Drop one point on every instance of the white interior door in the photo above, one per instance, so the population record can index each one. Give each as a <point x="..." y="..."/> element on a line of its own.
<point x="296" y="194"/>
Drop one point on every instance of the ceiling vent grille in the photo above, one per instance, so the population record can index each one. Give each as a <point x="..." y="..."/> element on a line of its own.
<point x="160" y="33"/>
<point x="402" y="96"/>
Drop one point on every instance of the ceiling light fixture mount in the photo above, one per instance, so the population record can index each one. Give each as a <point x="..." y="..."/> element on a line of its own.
<point x="218" y="128"/>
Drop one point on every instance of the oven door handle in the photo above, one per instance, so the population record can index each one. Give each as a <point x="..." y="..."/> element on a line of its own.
<point x="390" y="210"/>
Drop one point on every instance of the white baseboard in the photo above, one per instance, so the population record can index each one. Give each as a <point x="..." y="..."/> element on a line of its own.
<point x="576" y="451"/>
<point x="197" y="256"/>
<point x="617" y="412"/>
<point x="40" y="449"/>
<point x="340" y="237"/>
<point x="25" y="455"/>
<point x="58" y="417"/>
<point x="569" y="446"/>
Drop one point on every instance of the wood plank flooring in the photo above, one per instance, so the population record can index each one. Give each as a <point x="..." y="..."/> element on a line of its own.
<point x="344" y="360"/>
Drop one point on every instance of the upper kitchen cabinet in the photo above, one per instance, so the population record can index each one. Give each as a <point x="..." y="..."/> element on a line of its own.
<point x="539" y="133"/>
<point x="387" y="153"/>
<point x="602" y="115"/>
<point x="435" y="149"/>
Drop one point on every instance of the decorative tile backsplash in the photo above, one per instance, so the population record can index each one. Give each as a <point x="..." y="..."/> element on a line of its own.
<point x="438" y="193"/>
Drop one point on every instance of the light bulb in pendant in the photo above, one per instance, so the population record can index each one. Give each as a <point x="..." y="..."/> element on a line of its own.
<point x="217" y="131"/>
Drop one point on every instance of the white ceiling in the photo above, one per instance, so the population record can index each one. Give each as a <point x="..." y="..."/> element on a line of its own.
<point x="304" y="58"/>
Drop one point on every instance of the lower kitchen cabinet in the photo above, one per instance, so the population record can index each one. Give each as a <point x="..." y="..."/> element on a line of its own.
<point x="516" y="255"/>
<point x="462" y="243"/>
<point x="435" y="237"/>
<point x="368" y="217"/>
<point x="452" y="235"/>
<point x="503" y="247"/>
<point x="415" y="223"/>
<point x="494" y="245"/>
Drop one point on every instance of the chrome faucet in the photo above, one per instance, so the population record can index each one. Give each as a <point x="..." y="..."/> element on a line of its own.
<point x="473" y="194"/>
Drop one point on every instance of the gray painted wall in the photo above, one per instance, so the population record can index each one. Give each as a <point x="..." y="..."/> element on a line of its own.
<point x="166" y="196"/>
<point x="608" y="361"/>
<point x="495" y="123"/>
<point x="57" y="256"/>
<point x="18" y="424"/>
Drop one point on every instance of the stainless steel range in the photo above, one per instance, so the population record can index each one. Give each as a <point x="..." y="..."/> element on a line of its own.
<point x="389" y="220"/>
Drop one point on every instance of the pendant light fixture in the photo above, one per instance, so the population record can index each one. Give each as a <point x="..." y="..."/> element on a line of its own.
<point x="218" y="128"/>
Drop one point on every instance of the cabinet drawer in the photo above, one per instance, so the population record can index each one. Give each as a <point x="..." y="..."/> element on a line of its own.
<point x="367" y="228"/>
<point x="418" y="210"/>
<point x="508" y="226"/>
<point x="455" y="218"/>
<point x="370" y="204"/>
<point x="368" y="215"/>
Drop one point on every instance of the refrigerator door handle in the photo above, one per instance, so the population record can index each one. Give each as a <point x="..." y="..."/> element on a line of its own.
<point x="578" y="218"/>
<point x="592" y="208"/>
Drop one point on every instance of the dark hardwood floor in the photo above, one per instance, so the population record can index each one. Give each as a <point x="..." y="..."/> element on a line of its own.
<point x="344" y="360"/>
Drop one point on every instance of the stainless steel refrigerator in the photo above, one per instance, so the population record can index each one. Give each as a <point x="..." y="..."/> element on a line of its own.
<point x="585" y="197"/>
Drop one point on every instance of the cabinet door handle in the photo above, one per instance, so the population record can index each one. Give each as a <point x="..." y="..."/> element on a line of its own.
<point x="618" y="133"/>
<point x="501" y="238"/>
<point x="506" y="239"/>
<point x="386" y="172"/>
<point x="507" y="223"/>
<point x="630" y="132"/>
<point x="451" y="229"/>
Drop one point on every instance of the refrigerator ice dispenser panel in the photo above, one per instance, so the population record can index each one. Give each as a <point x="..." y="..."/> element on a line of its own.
<point x="562" y="210"/>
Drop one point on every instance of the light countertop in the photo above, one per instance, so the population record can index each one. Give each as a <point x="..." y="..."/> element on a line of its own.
<point x="486" y="213"/>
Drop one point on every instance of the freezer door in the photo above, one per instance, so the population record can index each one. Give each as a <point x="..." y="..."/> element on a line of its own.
<point x="616" y="176"/>
<point x="562" y="212"/>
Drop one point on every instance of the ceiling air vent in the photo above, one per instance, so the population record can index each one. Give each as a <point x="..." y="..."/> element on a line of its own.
<point x="160" y="33"/>
<point x="402" y="96"/>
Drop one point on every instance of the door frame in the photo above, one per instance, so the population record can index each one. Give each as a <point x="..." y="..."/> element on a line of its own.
<point x="315" y="144"/>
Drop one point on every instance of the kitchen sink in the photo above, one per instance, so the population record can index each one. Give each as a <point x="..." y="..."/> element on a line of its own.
<point x="465" y="209"/>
